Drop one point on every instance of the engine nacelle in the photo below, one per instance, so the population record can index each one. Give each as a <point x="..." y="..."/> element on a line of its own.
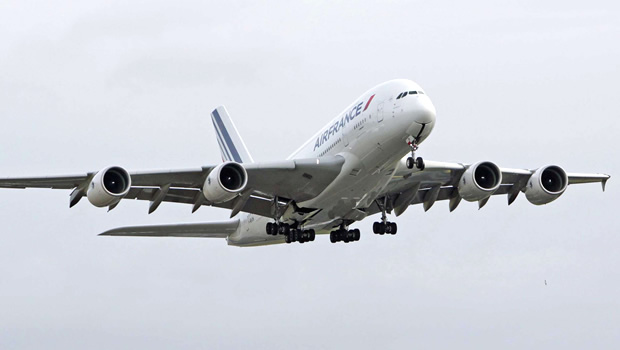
<point x="479" y="181"/>
<point x="546" y="185"/>
<point x="225" y="182"/>
<point x="109" y="186"/>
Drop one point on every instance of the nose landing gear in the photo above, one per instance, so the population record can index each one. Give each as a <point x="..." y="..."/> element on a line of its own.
<point x="413" y="161"/>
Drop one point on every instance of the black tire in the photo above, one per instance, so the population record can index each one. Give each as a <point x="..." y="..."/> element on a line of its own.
<point x="388" y="228"/>
<point x="382" y="229"/>
<point x="356" y="234"/>
<point x="312" y="235"/>
<point x="332" y="237"/>
<point x="394" y="228"/>
<point x="287" y="239"/>
<point x="376" y="227"/>
<point x="419" y="163"/>
<point x="410" y="162"/>
<point x="268" y="228"/>
<point x="285" y="229"/>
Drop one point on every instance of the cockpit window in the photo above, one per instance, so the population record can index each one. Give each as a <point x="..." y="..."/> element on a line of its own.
<point x="403" y="94"/>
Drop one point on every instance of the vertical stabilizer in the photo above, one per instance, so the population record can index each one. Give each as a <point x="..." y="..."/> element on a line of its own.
<point x="231" y="144"/>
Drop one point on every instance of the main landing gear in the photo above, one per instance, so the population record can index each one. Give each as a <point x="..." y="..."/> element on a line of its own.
<point x="384" y="226"/>
<point x="291" y="234"/>
<point x="344" y="235"/>
<point x="381" y="228"/>
<point x="413" y="161"/>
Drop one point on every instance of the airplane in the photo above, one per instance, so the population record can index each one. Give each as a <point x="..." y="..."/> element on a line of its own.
<point x="359" y="164"/>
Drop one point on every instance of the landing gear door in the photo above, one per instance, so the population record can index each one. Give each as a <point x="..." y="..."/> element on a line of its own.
<point x="380" y="112"/>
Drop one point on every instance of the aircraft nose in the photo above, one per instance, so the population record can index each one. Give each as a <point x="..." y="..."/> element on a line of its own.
<point x="425" y="112"/>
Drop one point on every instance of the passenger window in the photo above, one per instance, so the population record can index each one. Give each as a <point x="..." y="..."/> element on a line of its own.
<point x="421" y="92"/>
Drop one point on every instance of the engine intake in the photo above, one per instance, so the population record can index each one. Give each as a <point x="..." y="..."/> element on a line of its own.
<point x="109" y="186"/>
<point x="225" y="182"/>
<point x="480" y="181"/>
<point x="546" y="185"/>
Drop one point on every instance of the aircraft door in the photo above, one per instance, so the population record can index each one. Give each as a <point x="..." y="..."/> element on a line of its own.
<point x="380" y="112"/>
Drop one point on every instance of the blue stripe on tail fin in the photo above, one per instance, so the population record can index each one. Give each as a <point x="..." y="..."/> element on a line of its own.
<point x="230" y="142"/>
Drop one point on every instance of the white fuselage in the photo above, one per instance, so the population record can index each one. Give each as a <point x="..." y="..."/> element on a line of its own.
<point x="372" y="136"/>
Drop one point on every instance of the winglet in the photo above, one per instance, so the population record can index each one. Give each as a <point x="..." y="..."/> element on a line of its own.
<point x="230" y="142"/>
<point x="604" y="182"/>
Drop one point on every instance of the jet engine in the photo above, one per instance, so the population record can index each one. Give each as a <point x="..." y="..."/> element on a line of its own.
<point x="225" y="182"/>
<point x="546" y="185"/>
<point x="479" y="181"/>
<point x="109" y="186"/>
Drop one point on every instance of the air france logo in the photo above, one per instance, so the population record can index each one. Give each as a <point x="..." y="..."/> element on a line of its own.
<point x="340" y="124"/>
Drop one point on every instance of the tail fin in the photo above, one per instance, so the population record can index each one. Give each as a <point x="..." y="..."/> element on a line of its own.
<point x="231" y="144"/>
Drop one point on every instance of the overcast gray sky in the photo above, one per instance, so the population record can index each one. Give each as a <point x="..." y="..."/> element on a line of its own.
<point x="86" y="84"/>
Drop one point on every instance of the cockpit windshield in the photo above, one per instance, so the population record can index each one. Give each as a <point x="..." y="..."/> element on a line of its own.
<point x="403" y="94"/>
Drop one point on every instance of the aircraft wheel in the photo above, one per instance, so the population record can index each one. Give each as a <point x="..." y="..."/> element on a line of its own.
<point x="268" y="227"/>
<point x="393" y="228"/>
<point x="376" y="227"/>
<point x="410" y="162"/>
<point x="382" y="228"/>
<point x="419" y="163"/>
<point x="285" y="229"/>
<point x="356" y="234"/>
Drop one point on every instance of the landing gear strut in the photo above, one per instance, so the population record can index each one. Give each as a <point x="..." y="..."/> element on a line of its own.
<point x="413" y="161"/>
<point x="384" y="226"/>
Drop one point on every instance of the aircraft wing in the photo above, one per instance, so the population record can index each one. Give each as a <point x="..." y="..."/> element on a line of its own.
<point x="296" y="180"/>
<point x="439" y="181"/>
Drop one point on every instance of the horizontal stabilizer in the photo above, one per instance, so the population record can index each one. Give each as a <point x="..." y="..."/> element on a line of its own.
<point x="210" y="230"/>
